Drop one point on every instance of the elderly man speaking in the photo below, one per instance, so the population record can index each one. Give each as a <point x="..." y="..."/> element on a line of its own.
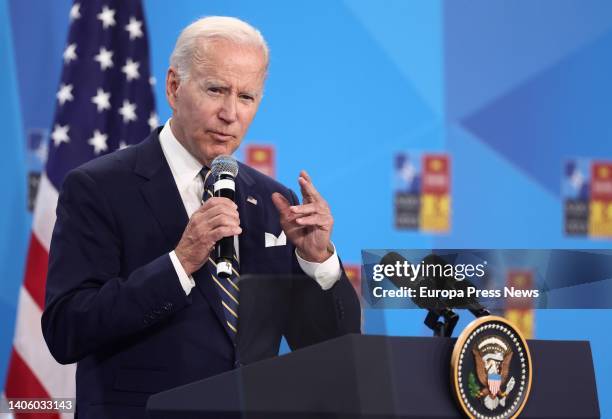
<point x="133" y="294"/>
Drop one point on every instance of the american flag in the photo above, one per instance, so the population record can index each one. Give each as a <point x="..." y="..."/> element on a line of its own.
<point x="104" y="102"/>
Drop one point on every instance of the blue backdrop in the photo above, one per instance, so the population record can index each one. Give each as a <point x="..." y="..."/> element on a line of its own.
<point x="511" y="89"/>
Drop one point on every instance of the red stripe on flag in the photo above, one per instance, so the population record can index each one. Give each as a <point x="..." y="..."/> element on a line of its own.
<point x="21" y="383"/>
<point x="36" y="271"/>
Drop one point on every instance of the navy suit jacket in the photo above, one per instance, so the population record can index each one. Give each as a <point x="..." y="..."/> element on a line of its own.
<point x="114" y="303"/>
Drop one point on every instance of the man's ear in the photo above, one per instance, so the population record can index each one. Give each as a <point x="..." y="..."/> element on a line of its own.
<point x="172" y="85"/>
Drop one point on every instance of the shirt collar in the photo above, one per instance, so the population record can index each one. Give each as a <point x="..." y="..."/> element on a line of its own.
<point x="185" y="168"/>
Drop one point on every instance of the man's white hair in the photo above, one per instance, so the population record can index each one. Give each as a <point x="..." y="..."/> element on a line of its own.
<point x="209" y="29"/>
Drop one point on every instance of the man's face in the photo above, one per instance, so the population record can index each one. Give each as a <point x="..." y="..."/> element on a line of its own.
<point x="214" y="107"/>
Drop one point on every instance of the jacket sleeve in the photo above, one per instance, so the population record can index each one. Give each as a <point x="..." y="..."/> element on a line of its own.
<point x="317" y="315"/>
<point x="88" y="306"/>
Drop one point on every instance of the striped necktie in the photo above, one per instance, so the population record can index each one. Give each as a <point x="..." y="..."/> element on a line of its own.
<point x="227" y="287"/>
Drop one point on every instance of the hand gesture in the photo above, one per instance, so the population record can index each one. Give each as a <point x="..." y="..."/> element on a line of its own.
<point x="309" y="225"/>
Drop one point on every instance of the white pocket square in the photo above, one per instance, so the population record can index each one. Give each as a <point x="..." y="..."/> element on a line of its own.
<point x="272" y="240"/>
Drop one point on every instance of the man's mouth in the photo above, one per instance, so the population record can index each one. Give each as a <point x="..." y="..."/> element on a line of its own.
<point x="221" y="136"/>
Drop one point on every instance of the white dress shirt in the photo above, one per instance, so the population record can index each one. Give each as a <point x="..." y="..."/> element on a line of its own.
<point x="186" y="173"/>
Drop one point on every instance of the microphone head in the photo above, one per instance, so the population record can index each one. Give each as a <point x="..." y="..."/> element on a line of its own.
<point x="224" y="164"/>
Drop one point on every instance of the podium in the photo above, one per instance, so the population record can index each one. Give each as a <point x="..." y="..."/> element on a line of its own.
<point x="376" y="377"/>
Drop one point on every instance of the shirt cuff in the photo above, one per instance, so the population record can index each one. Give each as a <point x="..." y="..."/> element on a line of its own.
<point x="187" y="282"/>
<point x="326" y="273"/>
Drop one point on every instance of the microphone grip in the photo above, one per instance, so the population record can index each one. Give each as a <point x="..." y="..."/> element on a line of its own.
<point x="224" y="187"/>
<point x="224" y="250"/>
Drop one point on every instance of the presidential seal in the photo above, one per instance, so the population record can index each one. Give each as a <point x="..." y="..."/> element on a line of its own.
<point x="491" y="369"/>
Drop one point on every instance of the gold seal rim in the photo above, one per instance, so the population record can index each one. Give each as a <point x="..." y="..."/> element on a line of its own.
<point x="457" y="351"/>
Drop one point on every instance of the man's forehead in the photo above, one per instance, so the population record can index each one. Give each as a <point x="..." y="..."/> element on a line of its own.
<point x="228" y="61"/>
<point x="229" y="53"/>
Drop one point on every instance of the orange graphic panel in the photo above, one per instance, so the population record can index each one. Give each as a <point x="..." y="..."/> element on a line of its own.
<point x="523" y="320"/>
<point x="600" y="207"/>
<point x="435" y="199"/>
<point x="262" y="158"/>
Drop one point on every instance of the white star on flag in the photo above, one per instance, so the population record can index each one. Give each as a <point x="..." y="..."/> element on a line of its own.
<point x="131" y="69"/>
<point x="70" y="53"/>
<point x="128" y="111"/>
<point x="105" y="58"/>
<point x="152" y="81"/>
<point x="134" y="28"/>
<point x="64" y="94"/>
<point x="98" y="141"/>
<point x="60" y="134"/>
<point x="153" y="121"/>
<point x="75" y="12"/>
<point x="101" y="100"/>
<point x="107" y="16"/>
<point x="86" y="124"/>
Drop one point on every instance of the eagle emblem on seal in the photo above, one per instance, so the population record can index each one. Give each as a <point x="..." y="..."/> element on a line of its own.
<point x="492" y="357"/>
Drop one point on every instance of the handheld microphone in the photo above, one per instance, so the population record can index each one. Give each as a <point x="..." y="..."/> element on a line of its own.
<point x="224" y="170"/>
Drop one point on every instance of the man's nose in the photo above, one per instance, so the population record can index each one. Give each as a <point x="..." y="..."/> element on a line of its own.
<point x="228" y="111"/>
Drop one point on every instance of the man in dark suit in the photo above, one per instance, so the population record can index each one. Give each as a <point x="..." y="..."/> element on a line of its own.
<point x="130" y="295"/>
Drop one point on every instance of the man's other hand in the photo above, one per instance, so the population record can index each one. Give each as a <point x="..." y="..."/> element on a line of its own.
<point x="309" y="225"/>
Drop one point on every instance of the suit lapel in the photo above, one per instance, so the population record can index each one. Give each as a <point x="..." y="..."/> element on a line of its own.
<point x="250" y="209"/>
<point x="162" y="196"/>
<point x="165" y="202"/>
<point x="160" y="190"/>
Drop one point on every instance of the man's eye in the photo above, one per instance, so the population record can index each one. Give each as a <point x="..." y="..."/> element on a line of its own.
<point x="214" y="90"/>
<point x="247" y="98"/>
